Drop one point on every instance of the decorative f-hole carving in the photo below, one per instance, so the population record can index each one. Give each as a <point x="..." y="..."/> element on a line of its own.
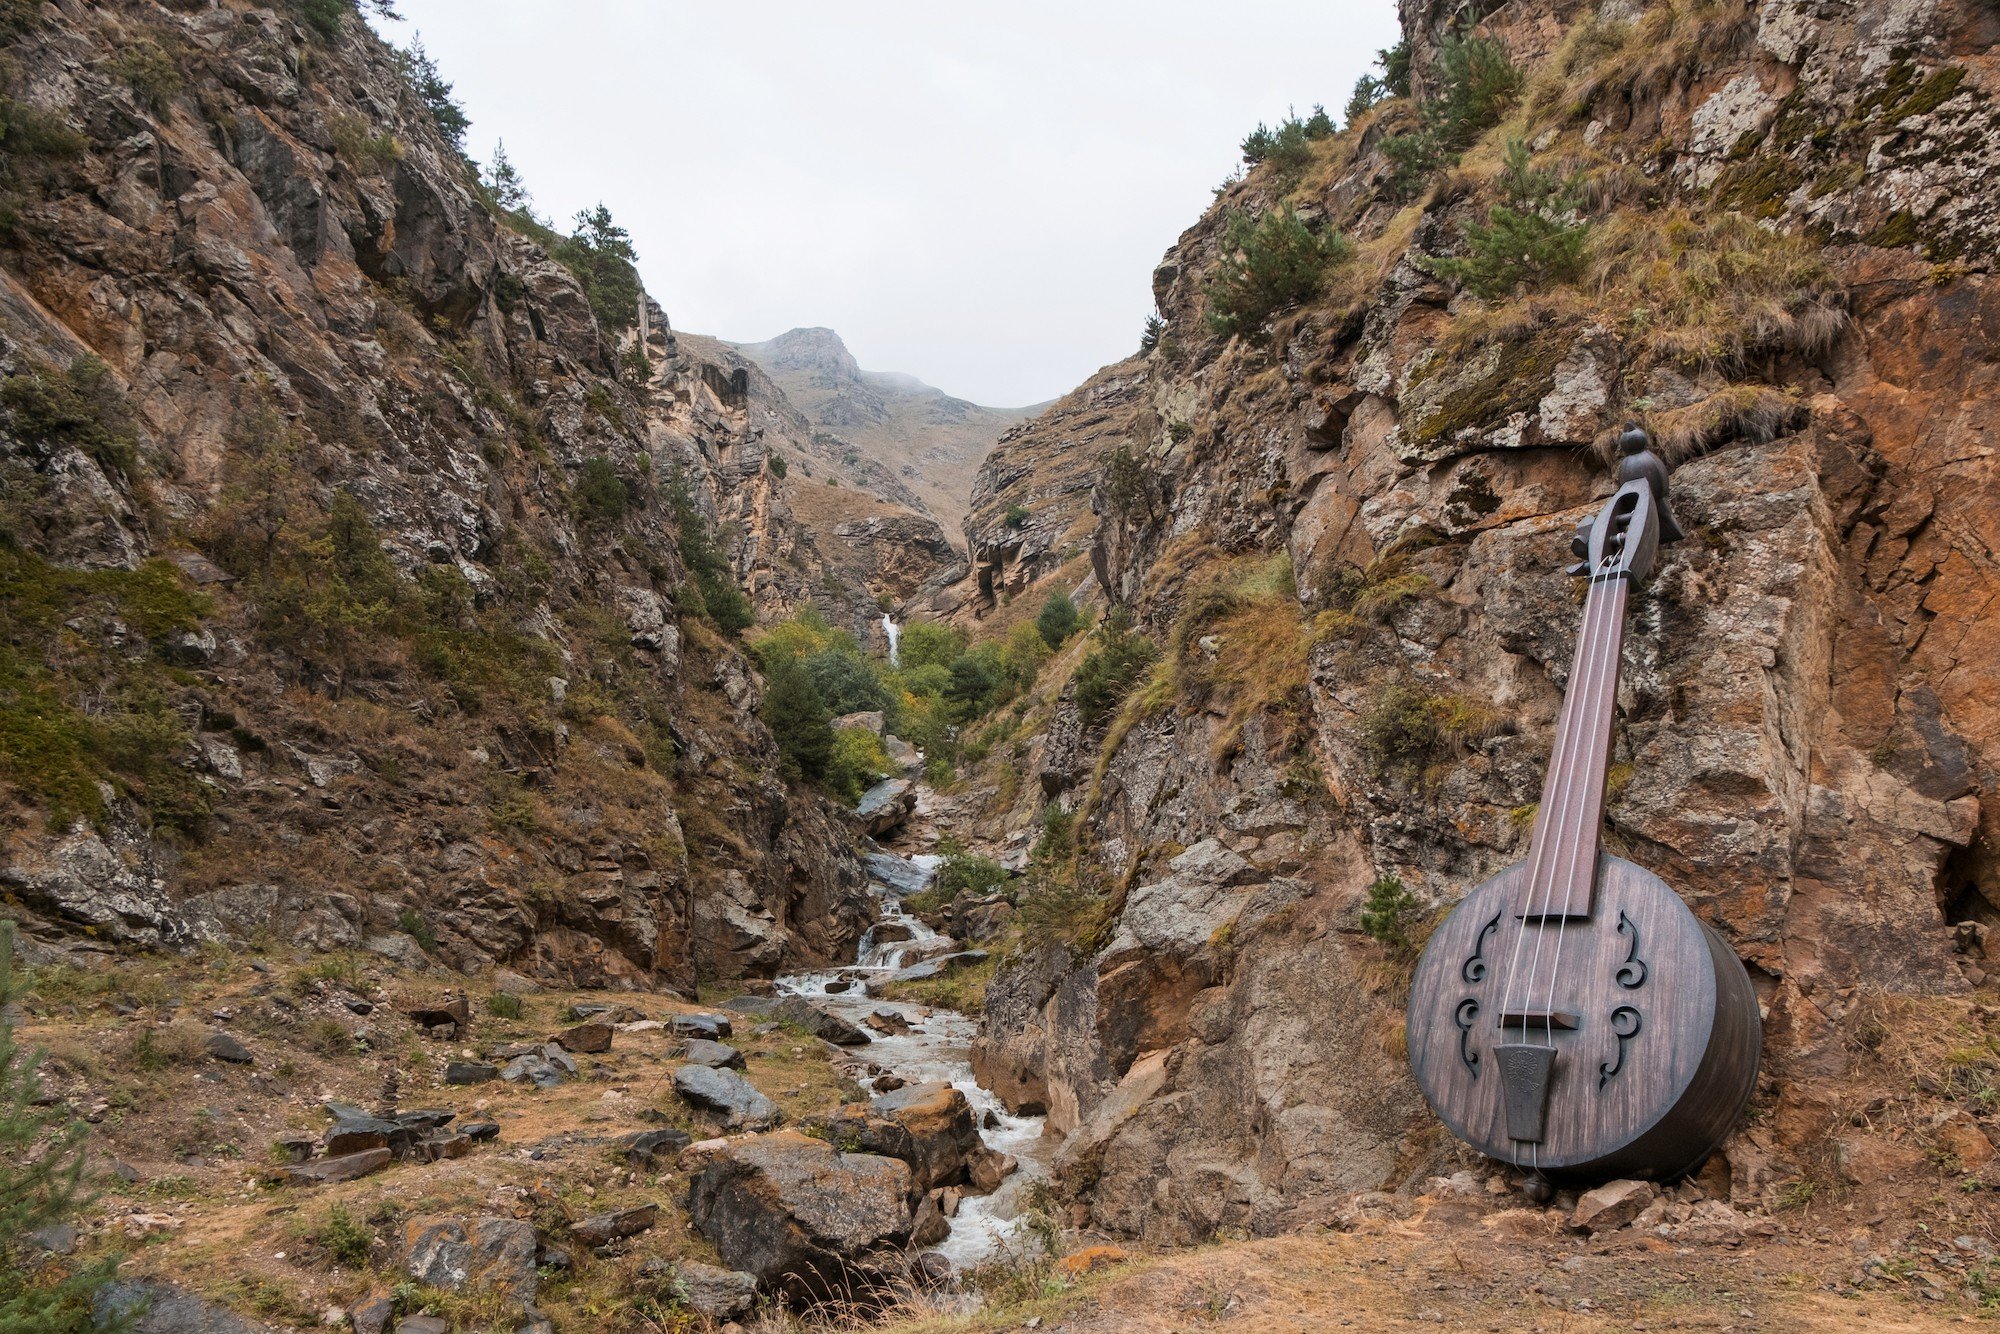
<point x="1625" y="1024"/>
<point x="1467" y="1015"/>
<point x="1474" y="968"/>
<point x="1631" y="974"/>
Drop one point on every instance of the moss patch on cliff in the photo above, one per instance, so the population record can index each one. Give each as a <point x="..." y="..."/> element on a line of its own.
<point x="86" y="690"/>
<point x="1463" y="387"/>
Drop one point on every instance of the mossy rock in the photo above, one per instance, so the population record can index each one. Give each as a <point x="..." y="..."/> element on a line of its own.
<point x="1455" y="397"/>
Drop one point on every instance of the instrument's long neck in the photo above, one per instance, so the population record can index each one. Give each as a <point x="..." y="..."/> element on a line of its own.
<point x="1562" y="857"/>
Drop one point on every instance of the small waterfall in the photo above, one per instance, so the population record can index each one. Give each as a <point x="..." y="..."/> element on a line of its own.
<point x="895" y="634"/>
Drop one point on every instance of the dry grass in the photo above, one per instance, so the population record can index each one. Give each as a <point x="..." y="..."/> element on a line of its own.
<point x="1639" y="61"/>
<point x="1709" y="294"/>
<point x="1753" y="412"/>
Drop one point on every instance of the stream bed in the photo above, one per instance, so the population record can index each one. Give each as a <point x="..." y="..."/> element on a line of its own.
<point x="937" y="1049"/>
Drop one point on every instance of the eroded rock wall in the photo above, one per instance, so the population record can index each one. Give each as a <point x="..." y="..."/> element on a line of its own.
<point x="524" y="742"/>
<point x="1806" y="731"/>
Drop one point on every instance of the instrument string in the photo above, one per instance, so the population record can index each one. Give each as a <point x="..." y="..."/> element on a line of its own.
<point x="1576" y="742"/>
<point x="1546" y="861"/>
<point x="1600" y="721"/>
<point x="1605" y="671"/>
<point x="1541" y="851"/>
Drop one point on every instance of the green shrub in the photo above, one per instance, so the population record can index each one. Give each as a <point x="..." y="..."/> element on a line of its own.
<point x="412" y="924"/>
<point x="1368" y="90"/>
<point x="1407" y="729"/>
<point x="1395" y="63"/>
<point x="717" y="594"/>
<point x="1022" y="656"/>
<point x="324" y="17"/>
<point x="364" y="151"/>
<point x="154" y="75"/>
<point x="1111" y="669"/>
<point x="504" y="1005"/>
<point x="54" y="751"/>
<point x="858" y="761"/>
<point x="42" y="1163"/>
<point x="1386" y="914"/>
<point x="778" y="465"/>
<point x="964" y="872"/>
<point x="1288" y="148"/>
<point x="1149" y="336"/>
<point x="798" y="719"/>
<point x="1269" y="262"/>
<point x="1016" y="516"/>
<point x="81" y="407"/>
<point x="601" y="255"/>
<point x="1058" y="619"/>
<point x="601" y="494"/>
<point x="931" y="644"/>
<point x="345" y="1240"/>
<point x="1476" y="84"/>
<point x="434" y="91"/>
<point x="844" y="680"/>
<point x="30" y="132"/>
<point x="1534" y="239"/>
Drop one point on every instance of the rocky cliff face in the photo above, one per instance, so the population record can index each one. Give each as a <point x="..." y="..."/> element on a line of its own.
<point x="348" y="548"/>
<point x="922" y="438"/>
<point x="1345" y="531"/>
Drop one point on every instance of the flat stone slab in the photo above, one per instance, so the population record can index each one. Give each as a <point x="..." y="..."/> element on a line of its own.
<point x="711" y="1026"/>
<point x="345" y="1167"/>
<point x="728" y="1094"/>
<point x="700" y="1051"/>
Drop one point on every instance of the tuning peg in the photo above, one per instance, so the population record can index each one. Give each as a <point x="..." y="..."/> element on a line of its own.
<point x="1579" y="545"/>
<point x="1577" y="570"/>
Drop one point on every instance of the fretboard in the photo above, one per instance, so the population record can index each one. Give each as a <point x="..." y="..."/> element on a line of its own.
<point x="1562" y="856"/>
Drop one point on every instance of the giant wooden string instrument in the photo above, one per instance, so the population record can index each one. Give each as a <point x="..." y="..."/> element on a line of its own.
<point x="1571" y="1016"/>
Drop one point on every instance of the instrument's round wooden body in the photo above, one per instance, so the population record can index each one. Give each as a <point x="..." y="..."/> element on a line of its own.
<point x="1663" y="1050"/>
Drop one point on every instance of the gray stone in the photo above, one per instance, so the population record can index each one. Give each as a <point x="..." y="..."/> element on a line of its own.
<point x="901" y="875"/>
<point x="326" y="1171"/>
<point x="591" y="1038"/>
<point x="226" y="1048"/>
<point x="470" y="1072"/>
<point x="157" y="1307"/>
<point x="373" y="1313"/>
<point x="479" y="1255"/>
<point x="700" y="1051"/>
<point x="719" y="1294"/>
<point x="711" y="1026"/>
<point x="601" y="1229"/>
<point x="422" y="1324"/>
<point x="796" y="1212"/>
<point x="728" y="1094"/>
<point x="822" y="1025"/>
<point x="929" y="968"/>
<point x="884" y="807"/>
<point x="652" y="1148"/>
<point x="1611" y="1205"/>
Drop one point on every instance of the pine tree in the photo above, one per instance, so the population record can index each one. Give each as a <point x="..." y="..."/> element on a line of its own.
<point x="504" y="182"/>
<point x="435" y="92"/>
<point x="1534" y="239"/>
<point x="41" y="1185"/>
<point x="799" y="719"/>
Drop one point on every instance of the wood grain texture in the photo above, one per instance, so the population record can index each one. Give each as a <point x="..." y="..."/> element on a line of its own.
<point x="1665" y="1049"/>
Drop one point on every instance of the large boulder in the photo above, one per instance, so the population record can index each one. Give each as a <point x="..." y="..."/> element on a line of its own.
<point x="477" y="1255"/>
<point x="929" y="1126"/>
<point x="728" y="1095"/>
<point x="800" y="1214"/>
<point x="899" y="874"/>
<point x="797" y="1010"/>
<point x="884" y="807"/>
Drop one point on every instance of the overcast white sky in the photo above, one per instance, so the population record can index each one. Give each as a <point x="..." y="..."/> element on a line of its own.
<point x="973" y="193"/>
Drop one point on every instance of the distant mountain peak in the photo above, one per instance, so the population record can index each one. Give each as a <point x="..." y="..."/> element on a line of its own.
<point x="814" y="350"/>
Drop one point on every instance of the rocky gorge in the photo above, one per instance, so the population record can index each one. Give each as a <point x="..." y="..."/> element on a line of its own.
<point x="424" y="906"/>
